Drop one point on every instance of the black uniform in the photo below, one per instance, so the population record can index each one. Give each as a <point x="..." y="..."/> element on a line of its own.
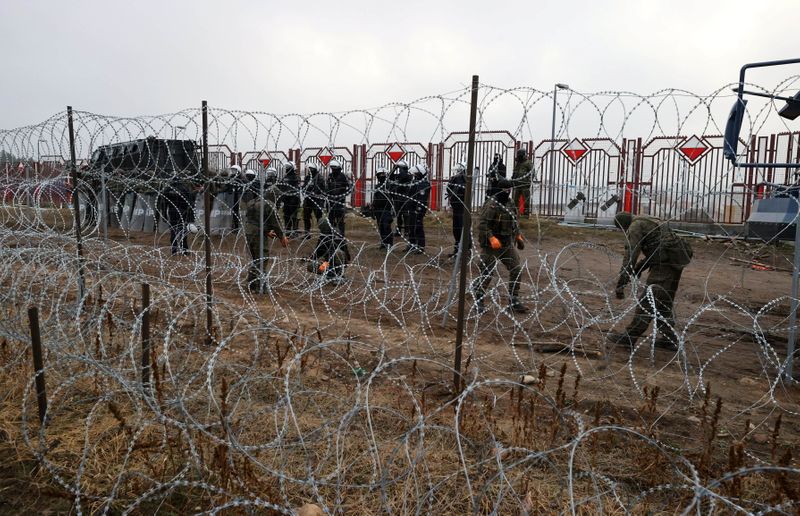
<point x="382" y="210"/>
<point x="399" y="182"/>
<point x="290" y="197"/>
<point x="420" y="199"/>
<point x="337" y="189"/>
<point x="456" y="190"/>
<point x="497" y="171"/>
<point x="178" y="199"/>
<point x="238" y="186"/>
<point x="331" y="250"/>
<point x="313" y="198"/>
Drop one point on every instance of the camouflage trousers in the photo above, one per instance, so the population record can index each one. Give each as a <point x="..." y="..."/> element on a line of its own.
<point x="663" y="281"/>
<point x="509" y="257"/>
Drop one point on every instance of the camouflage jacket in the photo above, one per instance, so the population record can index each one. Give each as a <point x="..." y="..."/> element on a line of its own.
<point x="251" y="205"/>
<point x="523" y="173"/>
<point x="658" y="244"/>
<point x="498" y="220"/>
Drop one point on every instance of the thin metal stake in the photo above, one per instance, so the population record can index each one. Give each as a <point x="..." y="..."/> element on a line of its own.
<point x="38" y="362"/>
<point x="466" y="237"/>
<point x="207" y="232"/>
<point x="146" y="337"/>
<point x="76" y="206"/>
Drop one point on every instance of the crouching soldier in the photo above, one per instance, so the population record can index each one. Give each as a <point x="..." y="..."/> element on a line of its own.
<point x="665" y="254"/>
<point x="259" y="204"/>
<point x="499" y="238"/>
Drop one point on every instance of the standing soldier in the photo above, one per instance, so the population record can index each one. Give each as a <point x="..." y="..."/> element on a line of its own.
<point x="338" y="186"/>
<point x="259" y="203"/>
<point x="382" y="209"/>
<point x="523" y="176"/>
<point x="420" y="199"/>
<point x="498" y="235"/>
<point x="290" y="193"/>
<point x="456" y="190"/>
<point x="665" y="254"/>
<point x="313" y="189"/>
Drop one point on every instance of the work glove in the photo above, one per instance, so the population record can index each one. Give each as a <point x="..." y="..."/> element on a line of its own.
<point x="494" y="243"/>
<point x="272" y="234"/>
<point x="284" y="241"/>
<point x="520" y="242"/>
<point x="323" y="267"/>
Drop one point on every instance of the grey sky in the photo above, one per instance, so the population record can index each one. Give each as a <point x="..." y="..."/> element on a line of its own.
<point x="150" y="57"/>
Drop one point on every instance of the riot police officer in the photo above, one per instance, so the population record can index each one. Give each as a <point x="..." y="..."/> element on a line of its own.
<point x="178" y="200"/>
<point x="290" y="197"/>
<point x="382" y="209"/>
<point x="399" y="181"/>
<point x="313" y="196"/>
<point x="455" y="193"/>
<point x="420" y="196"/>
<point x="497" y="171"/>
<point x="338" y="186"/>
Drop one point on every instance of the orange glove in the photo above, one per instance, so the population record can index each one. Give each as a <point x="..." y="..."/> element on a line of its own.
<point x="520" y="242"/>
<point x="285" y="241"/>
<point x="272" y="234"/>
<point x="323" y="267"/>
<point x="494" y="243"/>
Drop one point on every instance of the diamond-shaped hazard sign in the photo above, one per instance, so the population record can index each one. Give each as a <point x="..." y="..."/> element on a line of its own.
<point x="693" y="148"/>
<point x="575" y="150"/>
<point x="395" y="152"/>
<point x="265" y="162"/>
<point x="325" y="156"/>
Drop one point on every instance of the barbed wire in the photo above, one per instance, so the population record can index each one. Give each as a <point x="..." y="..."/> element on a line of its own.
<point x="332" y="386"/>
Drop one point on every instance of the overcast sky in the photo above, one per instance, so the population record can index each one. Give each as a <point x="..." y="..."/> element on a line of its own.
<point x="149" y="57"/>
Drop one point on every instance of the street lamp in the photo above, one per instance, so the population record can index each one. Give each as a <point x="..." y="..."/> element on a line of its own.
<point x="558" y="86"/>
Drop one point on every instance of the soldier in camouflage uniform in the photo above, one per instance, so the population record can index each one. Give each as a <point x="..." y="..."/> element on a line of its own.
<point x="252" y="203"/>
<point x="522" y="176"/>
<point x="499" y="238"/>
<point x="665" y="254"/>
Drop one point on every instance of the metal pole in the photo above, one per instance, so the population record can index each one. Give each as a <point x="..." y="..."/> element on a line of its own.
<point x="551" y="174"/>
<point x="790" y="346"/>
<point x="466" y="237"/>
<point x="146" y="337"/>
<point x="104" y="202"/>
<point x="76" y="206"/>
<point x="38" y="362"/>
<point x="261" y="232"/>
<point x="207" y="224"/>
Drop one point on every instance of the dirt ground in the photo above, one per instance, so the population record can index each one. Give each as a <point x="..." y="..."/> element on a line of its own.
<point x="716" y="402"/>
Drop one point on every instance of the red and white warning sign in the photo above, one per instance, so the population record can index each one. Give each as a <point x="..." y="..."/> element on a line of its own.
<point x="325" y="156"/>
<point x="265" y="162"/>
<point x="395" y="152"/>
<point x="693" y="148"/>
<point x="575" y="150"/>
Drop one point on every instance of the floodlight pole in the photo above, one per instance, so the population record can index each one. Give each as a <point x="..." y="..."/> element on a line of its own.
<point x="552" y="174"/>
<point x="788" y="373"/>
<point x="466" y="239"/>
